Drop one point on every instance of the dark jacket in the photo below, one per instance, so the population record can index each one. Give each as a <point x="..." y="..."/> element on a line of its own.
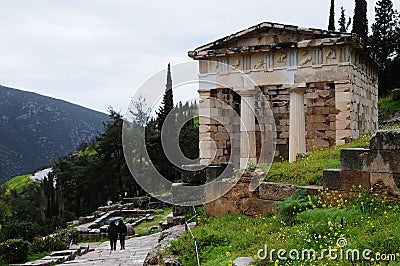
<point x="123" y="230"/>
<point x="113" y="231"/>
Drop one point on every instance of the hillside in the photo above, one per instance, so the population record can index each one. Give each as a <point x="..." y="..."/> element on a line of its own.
<point x="35" y="129"/>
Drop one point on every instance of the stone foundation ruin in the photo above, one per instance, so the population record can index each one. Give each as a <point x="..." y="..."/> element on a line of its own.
<point x="377" y="167"/>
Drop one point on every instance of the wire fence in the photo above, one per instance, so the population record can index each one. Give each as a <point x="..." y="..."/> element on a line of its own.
<point x="187" y="228"/>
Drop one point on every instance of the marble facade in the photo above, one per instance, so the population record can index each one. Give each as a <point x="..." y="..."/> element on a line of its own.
<point x="321" y="86"/>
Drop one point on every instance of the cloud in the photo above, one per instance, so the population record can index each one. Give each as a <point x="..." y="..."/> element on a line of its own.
<point x="96" y="53"/>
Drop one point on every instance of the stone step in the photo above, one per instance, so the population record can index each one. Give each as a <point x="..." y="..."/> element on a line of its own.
<point x="35" y="263"/>
<point x="54" y="259"/>
<point x="68" y="252"/>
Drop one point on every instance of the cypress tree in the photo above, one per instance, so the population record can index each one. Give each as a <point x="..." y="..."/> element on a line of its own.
<point x="158" y="154"/>
<point x="383" y="39"/>
<point x="168" y="101"/>
<point x="343" y="25"/>
<point x="385" y="44"/>
<point x="360" y="21"/>
<point x="331" y="26"/>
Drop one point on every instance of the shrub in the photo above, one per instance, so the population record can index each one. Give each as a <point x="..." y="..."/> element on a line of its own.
<point x="58" y="241"/>
<point x="68" y="236"/>
<point x="297" y="203"/>
<point x="396" y="94"/>
<point x="46" y="244"/>
<point x="20" y="229"/>
<point x="14" y="250"/>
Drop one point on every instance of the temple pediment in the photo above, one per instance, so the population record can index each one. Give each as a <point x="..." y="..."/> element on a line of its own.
<point x="266" y="36"/>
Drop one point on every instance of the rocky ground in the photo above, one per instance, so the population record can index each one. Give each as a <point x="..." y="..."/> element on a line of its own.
<point x="386" y="119"/>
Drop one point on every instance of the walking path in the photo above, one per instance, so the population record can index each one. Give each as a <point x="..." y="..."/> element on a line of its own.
<point x="135" y="252"/>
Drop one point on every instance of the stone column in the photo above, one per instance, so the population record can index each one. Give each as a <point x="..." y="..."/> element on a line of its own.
<point x="247" y="129"/>
<point x="297" y="123"/>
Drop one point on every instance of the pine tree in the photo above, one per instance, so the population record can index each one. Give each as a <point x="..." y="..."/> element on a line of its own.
<point x="168" y="101"/>
<point x="331" y="26"/>
<point x="343" y="25"/>
<point x="384" y="39"/>
<point x="360" y="21"/>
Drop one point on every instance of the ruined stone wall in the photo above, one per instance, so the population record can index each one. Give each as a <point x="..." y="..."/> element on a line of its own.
<point x="219" y="126"/>
<point x="377" y="167"/>
<point x="279" y="97"/>
<point x="241" y="200"/>
<point x="320" y="116"/>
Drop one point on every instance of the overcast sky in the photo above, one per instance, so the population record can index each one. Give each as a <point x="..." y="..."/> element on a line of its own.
<point x="96" y="53"/>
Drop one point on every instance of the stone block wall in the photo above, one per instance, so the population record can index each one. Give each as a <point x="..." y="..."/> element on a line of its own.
<point x="279" y="97"/>
<point x="320" y="116"/>
<point x="363" y="91"/>
<point x="219" y="129"/>
<point x="241" y="200"/>
<point x="378" y="166"/>
<point x="343" y="112"/>
<point x="340" y="101"/>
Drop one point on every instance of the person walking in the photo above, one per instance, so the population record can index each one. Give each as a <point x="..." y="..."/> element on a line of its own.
<point x="123" y="230"/>
<point x="113" y="235"/>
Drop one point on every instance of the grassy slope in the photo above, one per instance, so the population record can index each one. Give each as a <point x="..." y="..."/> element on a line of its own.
<point x="145" y="227"/>
<point x="18" y="183"/>
<point x="308" y="171"/>
<point x="387" y="103"/>
<point x="222" y="239"/>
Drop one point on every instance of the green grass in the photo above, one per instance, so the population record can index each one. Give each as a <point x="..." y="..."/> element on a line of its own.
<point x="19" y="183"/>
<point x="86" y="152"/>
<point x="37" y="256"/>
<point x="222" y="239"/>
<point x="308" y="170"/>
<point x="159" y="216"/>
<point x="387" y="103"/>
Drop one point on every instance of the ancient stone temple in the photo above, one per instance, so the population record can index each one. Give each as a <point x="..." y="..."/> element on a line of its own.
<point x="321" y="86"/>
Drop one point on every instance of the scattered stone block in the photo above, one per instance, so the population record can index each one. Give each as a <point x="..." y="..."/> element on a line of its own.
<point x="170" y="218"/>
<point x="384" y="161"/>
<point x="354" y="180"/>
<point x="194" y="174"/>
<point x="311" y="190"/>
<point x="255" y="206"/>
<point x="172" y="262"/>
<point x="354" y="159"/>
<point x="385" y="140"/>
<point x="181" y="210"/>
<point x="178" y="220"/>
<point x="275" y="191"/>
<point x="243" y="261"/>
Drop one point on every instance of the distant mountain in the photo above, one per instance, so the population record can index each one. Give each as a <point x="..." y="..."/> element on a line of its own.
<point x="35" y="129"/>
